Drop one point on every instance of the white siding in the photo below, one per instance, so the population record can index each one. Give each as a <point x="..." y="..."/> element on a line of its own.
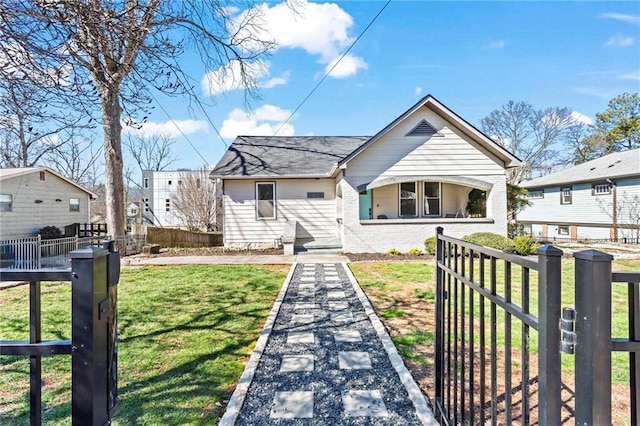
<point x="585" y="207"/>
<point x="316" y="217"/>
<point x="451" y="154"/>
<point x="628" y="205"/>
<point x="396" y="154"/>
<point x="27" y="216"/>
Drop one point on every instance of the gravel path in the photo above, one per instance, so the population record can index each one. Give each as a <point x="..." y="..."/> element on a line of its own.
<point x="325" y="362"/>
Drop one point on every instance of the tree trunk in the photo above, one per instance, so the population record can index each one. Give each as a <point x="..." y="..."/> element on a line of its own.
<point x="114" y="182"/>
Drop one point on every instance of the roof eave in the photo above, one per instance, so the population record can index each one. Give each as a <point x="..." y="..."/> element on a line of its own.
<point x="508" y="159"/>
<point x="272" y="177"/>
<point x="533" y="184"/>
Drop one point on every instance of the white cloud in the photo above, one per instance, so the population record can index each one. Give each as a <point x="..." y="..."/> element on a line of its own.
<point x="634" y="75"/>
<point x="619" y="41"/>
<point x="495" y="45"/>
<point x="320" y="29"/>
<point x="228" y="78"/>
<point x="264" y="121"/>
<point x="171" y="128"/>
<point x="417" y="91"/>
<point x="631" y="19"/>
<point x="348" y="66"/>
<point x="276" y="81"/>
<point x="17" y="62"/>
<point x="581" y="118"/>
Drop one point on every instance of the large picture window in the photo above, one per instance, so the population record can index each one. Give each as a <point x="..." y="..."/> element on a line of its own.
<point x="6" y="202"/>
<point x="266" y="200"/>
<point x="431" y="199"/>
<point x="408" y="199"/>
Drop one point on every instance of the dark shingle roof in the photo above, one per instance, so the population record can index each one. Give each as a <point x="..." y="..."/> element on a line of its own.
<point x="616" y="165"/>
<point x="285" y="155"/>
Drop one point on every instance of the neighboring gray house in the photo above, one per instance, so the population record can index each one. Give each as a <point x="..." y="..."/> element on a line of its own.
<point x="365" y="194"/>
<point x="34" y="197"/>
<point x="578" y="203"/>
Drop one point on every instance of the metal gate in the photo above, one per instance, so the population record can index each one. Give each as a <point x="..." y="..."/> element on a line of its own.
<point x="93" y="347"/>
<point x="499" y="337"/>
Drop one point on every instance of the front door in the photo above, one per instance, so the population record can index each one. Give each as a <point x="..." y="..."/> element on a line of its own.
<point x="366" y="211"/>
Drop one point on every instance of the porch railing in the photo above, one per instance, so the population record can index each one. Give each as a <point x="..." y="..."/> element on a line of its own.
<point x="36" y="253"/>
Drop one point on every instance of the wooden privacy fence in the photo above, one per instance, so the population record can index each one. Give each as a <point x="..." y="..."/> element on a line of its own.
<point x="174" y="237"/>
<point x="500" y="334"/>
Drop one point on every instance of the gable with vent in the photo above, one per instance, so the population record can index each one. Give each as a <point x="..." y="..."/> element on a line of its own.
<point x="424" y="128"/>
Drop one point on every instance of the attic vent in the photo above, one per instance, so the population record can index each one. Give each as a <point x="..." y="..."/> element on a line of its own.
<point x="423" y="129"/>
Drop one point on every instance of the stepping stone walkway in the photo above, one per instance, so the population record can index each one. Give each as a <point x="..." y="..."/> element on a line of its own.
<point x="324" y="358"/>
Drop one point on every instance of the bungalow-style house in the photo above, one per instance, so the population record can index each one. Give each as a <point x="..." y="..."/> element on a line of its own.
<point x="34" y="197"/>
<point x="366" y="194"/>
<point x="596" y="200"/>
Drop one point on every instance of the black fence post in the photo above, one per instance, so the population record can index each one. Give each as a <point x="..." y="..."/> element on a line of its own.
<point x="593" y="337"/>
<point x="89" y="301"/>
<point x="113" y="276"/>
<point x="549" y="374"/>
<point x="439" y="385"/>
<point x="35" y="361"/>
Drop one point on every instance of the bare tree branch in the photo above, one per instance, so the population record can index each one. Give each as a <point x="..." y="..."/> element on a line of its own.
<point x="195" y="201"/>
<point x="152" y="152"/>
<point x="117" y="51"/>
<point x="532" y="135"/>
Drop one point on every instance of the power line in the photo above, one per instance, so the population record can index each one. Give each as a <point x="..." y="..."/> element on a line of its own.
<point x="332" y="68"/>
<point x="181" y="132"/>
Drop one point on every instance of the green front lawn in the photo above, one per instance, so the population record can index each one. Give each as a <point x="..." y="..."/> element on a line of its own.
<point x="185" y="335"/>
<point x="394" y="287"/>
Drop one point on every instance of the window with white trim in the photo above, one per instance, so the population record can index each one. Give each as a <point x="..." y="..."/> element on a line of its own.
<point x="265" y="200"/>
<point x="431" y="199"/>
<point x="565" y="195"/>
<point x="6" y="202"/>
<point x="74" y="204"/>
<point x="601" y="189"/>
<point x="535" y="193"/>
<point x="563" y="230"/>
<point x="408" y="199"/>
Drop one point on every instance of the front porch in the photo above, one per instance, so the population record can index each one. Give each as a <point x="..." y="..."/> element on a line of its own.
<point x="422" y="198"/>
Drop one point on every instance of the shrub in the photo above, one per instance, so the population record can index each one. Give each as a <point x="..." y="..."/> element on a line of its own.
<point x="524" y="246"/>
<point x="50" y="232"/>
<point x="489" y="239"/>
<point x="430" y="245"/>
<point x="394" y="252"/>
<point x="515" y="229"/>
<point x="415" y="252"/>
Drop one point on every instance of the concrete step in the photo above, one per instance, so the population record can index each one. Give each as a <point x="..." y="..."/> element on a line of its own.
<point x="313" y="251"/>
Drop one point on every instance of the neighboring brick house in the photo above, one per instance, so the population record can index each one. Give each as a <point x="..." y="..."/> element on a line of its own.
<point x="34" y="197"/>
<point x="368" y="194"/>
<point x="578" y="203"/>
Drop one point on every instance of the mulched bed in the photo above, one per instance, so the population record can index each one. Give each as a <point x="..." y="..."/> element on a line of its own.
<point x="378" y="257"/>
<point x="214" y="251"/>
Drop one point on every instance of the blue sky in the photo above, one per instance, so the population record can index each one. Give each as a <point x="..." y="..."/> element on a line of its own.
<point x="472" y="56"/>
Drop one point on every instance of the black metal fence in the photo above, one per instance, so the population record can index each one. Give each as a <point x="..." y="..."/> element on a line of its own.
<point x="94" y="275"/>
<point x="499" y="337"/>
